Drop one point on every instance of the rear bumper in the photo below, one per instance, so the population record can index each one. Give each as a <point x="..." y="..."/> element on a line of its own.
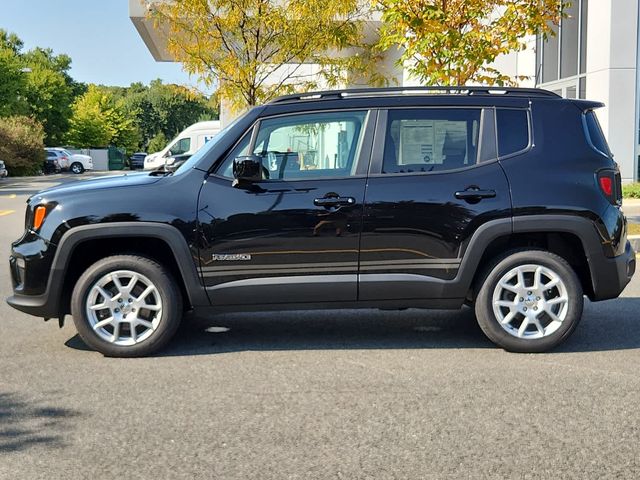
<point x="611" y="275"/>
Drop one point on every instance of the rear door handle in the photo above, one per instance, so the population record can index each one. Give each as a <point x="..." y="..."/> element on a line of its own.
<point x="329" y="202"/>
<point x="475" y="194"/>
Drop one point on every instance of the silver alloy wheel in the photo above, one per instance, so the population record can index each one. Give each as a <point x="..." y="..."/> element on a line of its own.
<point x="124" y="307"/>
<point x="530" y="301"/>
<point x="76" y="168"/>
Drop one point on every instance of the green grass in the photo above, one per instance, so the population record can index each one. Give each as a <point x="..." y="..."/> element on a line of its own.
<point x="631" y="190"/>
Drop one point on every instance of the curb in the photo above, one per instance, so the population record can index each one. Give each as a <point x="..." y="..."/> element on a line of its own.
<point x="635" y="242"/>
<point x="630" y="202"/>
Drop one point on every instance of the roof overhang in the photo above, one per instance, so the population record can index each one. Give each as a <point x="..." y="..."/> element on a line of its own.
<point x="155" y="39"/>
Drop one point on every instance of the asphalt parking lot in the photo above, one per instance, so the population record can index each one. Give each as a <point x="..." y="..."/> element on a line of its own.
<point x="344" y="395"/>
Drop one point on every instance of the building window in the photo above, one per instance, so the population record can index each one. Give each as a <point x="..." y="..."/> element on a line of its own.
<point x="561" y="58"/>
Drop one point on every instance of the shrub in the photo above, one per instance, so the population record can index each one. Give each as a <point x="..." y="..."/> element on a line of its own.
<point x="21" y="145"/>
<point x="631" y="190"/>
<point x="157" y="143"/>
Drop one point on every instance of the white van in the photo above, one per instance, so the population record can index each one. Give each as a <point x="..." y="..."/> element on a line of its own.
<point x="186" y="143"/>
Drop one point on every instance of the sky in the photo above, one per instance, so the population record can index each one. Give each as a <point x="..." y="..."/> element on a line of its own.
<point x="98" y="36"/>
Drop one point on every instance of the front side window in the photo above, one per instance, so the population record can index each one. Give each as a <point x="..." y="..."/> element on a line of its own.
<point x="513" y="130"/>
<point x="181" y="146"/>
<point x="429" y="140"/>
<point x="316" y="145"/>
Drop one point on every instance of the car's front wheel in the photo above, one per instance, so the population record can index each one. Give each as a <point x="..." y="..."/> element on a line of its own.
<point x="126" y="306"/>
<point x="76" y="167"/>
<point x="530" y="301"/>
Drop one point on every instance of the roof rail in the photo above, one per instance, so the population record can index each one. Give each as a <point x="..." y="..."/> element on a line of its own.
<point x="461" y="90"/>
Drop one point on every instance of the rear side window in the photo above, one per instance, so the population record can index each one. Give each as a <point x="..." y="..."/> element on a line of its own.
<point x="594" y="133"/>
<point x="429" y="140"/>
<point x="513" y="131"/>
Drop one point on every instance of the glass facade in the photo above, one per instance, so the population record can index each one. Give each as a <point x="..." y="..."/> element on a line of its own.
<point x="561" y="58"/>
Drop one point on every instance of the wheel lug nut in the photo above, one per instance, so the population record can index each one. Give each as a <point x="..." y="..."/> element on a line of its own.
<point x="133" y="309"/>
<point x="119" y="300"/>
<point x="521" y="299"/>
<point x="528" y="293"/>
<point x="130" y="300"/>
<point x="537" y="298"/>
<point x="525" y="309"/>
<point x="535" y="308"/>
<point x="117" y="310"/>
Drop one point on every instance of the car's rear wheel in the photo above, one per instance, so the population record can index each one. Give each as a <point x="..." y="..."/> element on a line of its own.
<point x="76" y="167"/>
<point x="529" y="301"/>
<point x="126" y="306"/>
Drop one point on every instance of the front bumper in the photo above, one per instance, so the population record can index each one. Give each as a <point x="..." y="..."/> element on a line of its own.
<point x="612" y="275"/>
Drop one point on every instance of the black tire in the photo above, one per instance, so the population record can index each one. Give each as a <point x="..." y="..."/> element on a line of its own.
<point x="77" y="168"/>
<point x="484" y="308"/>
<point x="168" y="291"/>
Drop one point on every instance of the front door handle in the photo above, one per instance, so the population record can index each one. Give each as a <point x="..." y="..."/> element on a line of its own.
<point x="329" y="202"/>
<point x="475" y="194"/>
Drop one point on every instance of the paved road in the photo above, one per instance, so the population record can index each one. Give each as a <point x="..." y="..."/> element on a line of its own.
<point x="324" y="395"/>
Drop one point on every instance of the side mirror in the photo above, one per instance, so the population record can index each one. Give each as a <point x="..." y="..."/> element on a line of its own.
<point x="247" y="169"/>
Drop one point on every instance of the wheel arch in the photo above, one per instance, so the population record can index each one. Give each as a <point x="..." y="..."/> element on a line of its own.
<point x="82" y="246"/>
<point x="573" y="238"/>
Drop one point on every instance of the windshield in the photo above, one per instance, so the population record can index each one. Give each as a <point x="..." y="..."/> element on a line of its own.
<point x="67" y="153"/>
<point x="206" y="148"/>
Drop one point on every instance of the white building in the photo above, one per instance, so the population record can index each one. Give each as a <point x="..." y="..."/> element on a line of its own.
<point x="594" y="55"/>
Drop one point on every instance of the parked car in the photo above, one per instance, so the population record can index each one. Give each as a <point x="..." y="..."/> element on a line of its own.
<point x="3" y="170"/>
<point x="136" y="161"/>
<point x="189" y="141"/>
<point x="51" y="164"/>
<point x="73" y="162"/>
<point x="392" y="198"/>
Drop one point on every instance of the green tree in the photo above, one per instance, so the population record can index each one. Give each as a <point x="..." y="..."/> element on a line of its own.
<point x="99" y="120"/>
<point x="36" y="83"/>
<point x="21" y="144"/>
<point x="12" y="83"/>
<point x="253" y="49"/>
<point x="165" y="108"/>
<point x="453" y="42"/>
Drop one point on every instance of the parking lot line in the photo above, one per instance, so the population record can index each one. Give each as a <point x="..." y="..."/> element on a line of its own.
<point x="5" y="212"/>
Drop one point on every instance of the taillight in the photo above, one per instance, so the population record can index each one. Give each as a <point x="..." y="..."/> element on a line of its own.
<point x="606" y="185"/>
<point x="609" y="185"/>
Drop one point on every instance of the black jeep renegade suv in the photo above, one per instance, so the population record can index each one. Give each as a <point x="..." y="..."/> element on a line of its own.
<point x="507" y="200"/>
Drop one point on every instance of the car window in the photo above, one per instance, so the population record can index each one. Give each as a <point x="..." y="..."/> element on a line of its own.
<point x="311" y="145"/>
<point x="513" y="130"/>
<point x="51" y="154"/>
<point x="307" y="146"/>
<point x="594" y="132"/>
<point x="428" y="140"/>
<point x="181" y="146"/>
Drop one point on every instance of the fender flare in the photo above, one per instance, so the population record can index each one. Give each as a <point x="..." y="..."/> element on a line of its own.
<point x="167" y="233"/>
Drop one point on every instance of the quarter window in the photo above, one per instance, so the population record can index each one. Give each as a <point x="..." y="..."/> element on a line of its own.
<point x="513" y="131"/>
<point x="427" y="140"/>
<point x="595" y="133"/>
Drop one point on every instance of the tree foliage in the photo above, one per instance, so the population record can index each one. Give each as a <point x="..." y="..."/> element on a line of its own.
<point x="453" y="42"/>
<point x="253" y="49"/>
<point x="36" y="83"/>
<point x="165" y="108"/>
<point x="21" y="144"/>
<point x="100" y="120"/>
